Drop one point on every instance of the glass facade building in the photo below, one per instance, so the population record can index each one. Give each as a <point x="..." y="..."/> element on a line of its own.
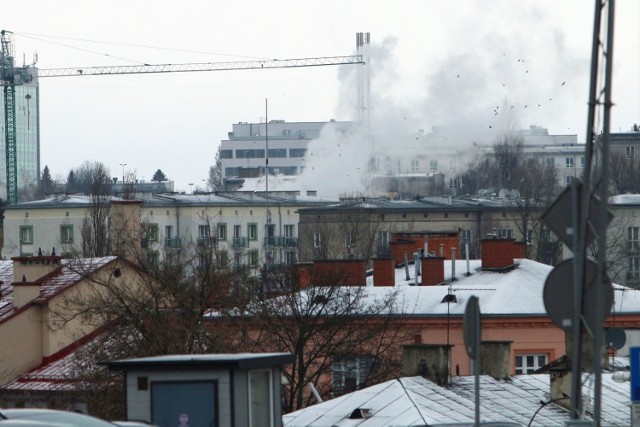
<point x="27" y="122"/>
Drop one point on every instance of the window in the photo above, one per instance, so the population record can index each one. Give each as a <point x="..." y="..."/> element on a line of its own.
<point x="223" y="258"/>
<point x="26" y="234"/>
<point x="66" y="234"/>
<point x="466" y="236"/>
<point x="230" y="172"/>
<point x="226" y="154"/>
<point x="252" y="231"/>
<point x="253" y="258"/>
<point x="278" y="152"/>
<point x="290" y="257"/>
<point x="415" y="165"/>
<point x="349" y="241"/>
<point x="297" y="152"/>
<point x="633" y="273"/>
<point x="506" y="233"/>
<point x="317" y="240"/>
<point x="582" y="162"/>
<point x="222" y="231"/>
<point x="168" y="232"/>
<point x="250" y="154"/>
<point x="568" y="179"/>
<point x="350" y="373"/>
<point x="154" y="258"/>
<point x="433" y="165"/>
<point x="383" y="237"/>
<point x="152" y="232"/>
<point x="569" y="162"/>
<point x="550" y="162"/>
<point x="528" y="363"/>
<point x="260" y="399"/>
<point x="290" y="235"/>
<point x="237" y="231"/>
<point x="631" y="152"/>
<point x="203" y="231"/>
<point x="632" y="233"/>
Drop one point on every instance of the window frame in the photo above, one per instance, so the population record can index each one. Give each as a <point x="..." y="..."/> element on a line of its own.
<point x="252" y="231"/>
<point x="222" y="231"/>
<point x="66" y="234"/>
<point x="525" y="369"/>
<point x="22" y="230"/>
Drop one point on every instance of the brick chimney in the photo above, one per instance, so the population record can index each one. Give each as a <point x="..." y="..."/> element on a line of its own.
<point x="431" y="361"/>
<point x="27" y="271"/>
<point x="399" y="248"/>
<point x="384" y="272"/>
<point x="497" y="254"/>
<point x="301" y="274"/>
<point x="340" y="272"/>
<point x="432" y="270"/>
<point x="495" y="359"/>
<point x="519" y="250"/>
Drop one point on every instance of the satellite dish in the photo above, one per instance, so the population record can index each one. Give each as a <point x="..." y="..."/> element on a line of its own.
<point x="615" y="338"/>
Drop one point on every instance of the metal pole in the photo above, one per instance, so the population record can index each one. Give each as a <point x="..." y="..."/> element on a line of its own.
<point x="602" y="216"/>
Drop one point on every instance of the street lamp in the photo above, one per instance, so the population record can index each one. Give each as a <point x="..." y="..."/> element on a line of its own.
<point x="123" y="165"/>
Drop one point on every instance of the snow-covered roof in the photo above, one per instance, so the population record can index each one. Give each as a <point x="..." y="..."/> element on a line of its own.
<point x="70" y="272"/>
<point x="517" y="292"/>
<point x="625" y="199"/>
<point x="416" y="401"/>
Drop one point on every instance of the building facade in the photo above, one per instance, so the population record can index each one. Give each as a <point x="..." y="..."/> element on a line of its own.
<point x="27" y="123"/>
<point x="244" y="154"/>
<point x="364" y="227"/>
<point x="245" y="228"/>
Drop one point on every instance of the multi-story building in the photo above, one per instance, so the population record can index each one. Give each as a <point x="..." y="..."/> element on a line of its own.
<point x="365" y="227"/>
<point x="243" y="155"/>
<point x="245" y="228"/>
<point x="27" y="123"/>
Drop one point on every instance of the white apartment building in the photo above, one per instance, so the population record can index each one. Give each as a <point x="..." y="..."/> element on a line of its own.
<point x="234" y="223"/>
<point x="243" y="155"/>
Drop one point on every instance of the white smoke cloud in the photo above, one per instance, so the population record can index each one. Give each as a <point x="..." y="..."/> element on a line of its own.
<point x="499" y="73"/>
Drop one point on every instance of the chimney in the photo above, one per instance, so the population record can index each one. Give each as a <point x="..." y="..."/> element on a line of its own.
<point x="432" y="270"/>
<point x="340" y="272"/>
<point x="301" y="274"/>
<point x="126" y="224"/>
<point x="27" y="271"/>
<point x="400" y="248"/>
<point x="519" y="250"/>
<point x="586" y="357"/>
<point x="497" y="254"/>
<point x="384" y="272"/>
<point x="560" y="386"/>
<point x="430" y="361"/>
<point x="495" y="359"/>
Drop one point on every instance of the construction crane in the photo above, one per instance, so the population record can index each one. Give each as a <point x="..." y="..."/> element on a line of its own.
<point x="13" y="76"/>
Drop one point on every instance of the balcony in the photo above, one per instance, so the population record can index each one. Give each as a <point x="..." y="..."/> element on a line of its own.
<point x="240" y="242"/>
<point x="172" y="242"/>
<point x="208" y="241"/>
<point x="281" y="241"/>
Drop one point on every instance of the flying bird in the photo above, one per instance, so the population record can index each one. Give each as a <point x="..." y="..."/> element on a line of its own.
<point x="562" y="83"/>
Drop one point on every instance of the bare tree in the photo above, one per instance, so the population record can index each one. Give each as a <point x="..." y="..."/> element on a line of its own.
<point x="323" y="325"/>
<point x="95" y="226"/>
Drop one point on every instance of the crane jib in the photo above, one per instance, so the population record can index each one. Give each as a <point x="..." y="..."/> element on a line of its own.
<point x="206" y="66"/>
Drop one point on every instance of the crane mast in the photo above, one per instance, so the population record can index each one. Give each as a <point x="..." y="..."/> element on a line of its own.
<point x="12" y="76"/>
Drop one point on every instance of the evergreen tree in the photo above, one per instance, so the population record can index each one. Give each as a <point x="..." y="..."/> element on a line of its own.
<point x="72" y="182"/>
<point x="46" y="182"/>
<point x="159" y="176"/>
<point x="215" y="181"/>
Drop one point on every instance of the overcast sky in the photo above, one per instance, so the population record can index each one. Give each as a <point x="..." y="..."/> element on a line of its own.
<point x="435" y="62"/>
